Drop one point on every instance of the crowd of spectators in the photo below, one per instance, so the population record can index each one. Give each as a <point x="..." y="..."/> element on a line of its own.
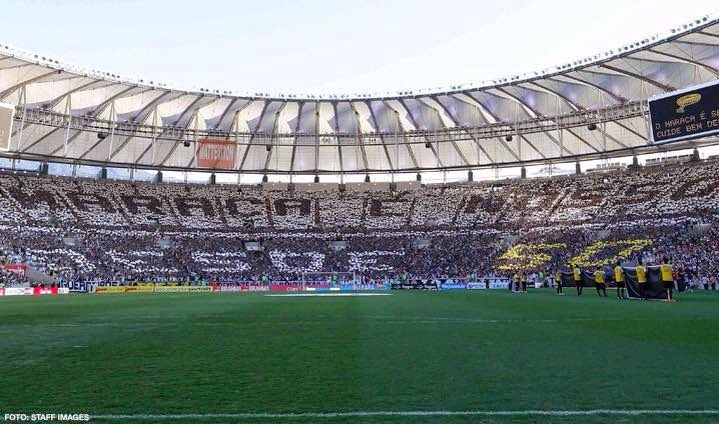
<point x="77" y="229"/>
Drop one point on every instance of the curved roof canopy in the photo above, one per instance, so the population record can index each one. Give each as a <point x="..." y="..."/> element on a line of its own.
<point x="66" y="113"/>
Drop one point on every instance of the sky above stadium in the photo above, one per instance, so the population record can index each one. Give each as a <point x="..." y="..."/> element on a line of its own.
<point x="325" y="46"/>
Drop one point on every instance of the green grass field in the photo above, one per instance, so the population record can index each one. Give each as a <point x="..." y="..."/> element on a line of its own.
<point x="412" y="351"/>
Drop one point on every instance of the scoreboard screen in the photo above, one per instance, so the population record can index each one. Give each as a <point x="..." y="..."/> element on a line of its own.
<point x="689" y="113"/>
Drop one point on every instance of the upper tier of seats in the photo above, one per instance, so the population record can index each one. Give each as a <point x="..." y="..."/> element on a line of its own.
<point x="659" y="192"/>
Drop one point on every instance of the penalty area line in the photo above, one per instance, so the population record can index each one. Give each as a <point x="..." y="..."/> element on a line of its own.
<point x="359" y="414"/>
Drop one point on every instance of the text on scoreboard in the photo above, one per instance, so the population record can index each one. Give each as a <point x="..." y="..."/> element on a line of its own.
<point x="689" y="113"/>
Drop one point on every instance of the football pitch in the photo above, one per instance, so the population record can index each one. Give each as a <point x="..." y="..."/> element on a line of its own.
<point x="411" y="357"/>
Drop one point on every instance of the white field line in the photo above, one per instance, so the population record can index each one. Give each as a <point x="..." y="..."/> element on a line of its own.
<point x="327" y="294"/>
<point x="357" y="414"/>
<point x="389" y="319"/>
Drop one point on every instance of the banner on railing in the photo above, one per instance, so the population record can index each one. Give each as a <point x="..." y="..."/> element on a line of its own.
<point x="18" y="291"/>
<point x="241" y="288"/>
<point x="182" y="289"/>
<point x="17" y="269"/>
<point x="33" y="291"/>
<point x="216" y="154"/>
<point x="110" y="289"/>
<point x="140" y="288"/>
<point x="415" y="285"/>
<point x="287" y="287"/>
<point x="489" y="283"/>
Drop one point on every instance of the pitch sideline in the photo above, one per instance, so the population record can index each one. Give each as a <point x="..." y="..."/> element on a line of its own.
<point x="359" y="414"/>
<point x="336" y="294"/>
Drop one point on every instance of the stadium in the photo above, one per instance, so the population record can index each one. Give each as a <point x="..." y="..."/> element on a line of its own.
<point x="535" y="248"/>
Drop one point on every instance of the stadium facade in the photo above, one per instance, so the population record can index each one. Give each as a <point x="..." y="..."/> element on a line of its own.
<point x="593" y="108"/>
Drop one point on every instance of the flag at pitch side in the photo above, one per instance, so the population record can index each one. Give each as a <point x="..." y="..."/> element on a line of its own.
<point x="568" y="279"/>
<point x="653" y="287"/>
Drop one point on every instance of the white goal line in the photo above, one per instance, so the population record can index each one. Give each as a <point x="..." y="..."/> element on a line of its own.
<point x="358" y="414"/>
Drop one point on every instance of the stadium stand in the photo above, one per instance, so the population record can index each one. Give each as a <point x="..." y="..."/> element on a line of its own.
<point x="104" y="230"/>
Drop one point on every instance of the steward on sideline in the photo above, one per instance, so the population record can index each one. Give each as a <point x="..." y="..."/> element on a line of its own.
<point x="619" y="280"/>
<point x="577" y="274"/>
<point x="667" y="278"/>
<point x="599" y="283"/>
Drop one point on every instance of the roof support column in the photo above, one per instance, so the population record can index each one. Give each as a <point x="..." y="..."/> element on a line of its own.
<point x="519" y="144"/>
<point x="154" y="137"/>
<point x="196" y="128"/>
<point x="604" y="136"/>
<point x="358" y="152"/>
<point x="317" y="137"/>
<point x="396" y="143"/>
<point x="476" y="147"/>
<point x="645" y="115"/>
<point x="233" y="129"/>
<point x="438" y="164"/>
<point x="67" y="129"/>
<point x="112" y="131"/>
<point x="24" y="112"/>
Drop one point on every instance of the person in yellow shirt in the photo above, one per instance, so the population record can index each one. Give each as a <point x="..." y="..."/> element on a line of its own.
<point x="641" y="278"/>
<point x="619" y="280"/>
<point x="577" y="274"/>
<point x="558" y="282"/>
<point x="599" y="283"/>
<point x="514" y="284"/>
<point x="523" y="281"/>
<point x="667" y="278"/>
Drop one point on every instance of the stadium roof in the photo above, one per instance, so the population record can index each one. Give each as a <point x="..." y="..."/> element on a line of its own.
<point x="67" y="113"/>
